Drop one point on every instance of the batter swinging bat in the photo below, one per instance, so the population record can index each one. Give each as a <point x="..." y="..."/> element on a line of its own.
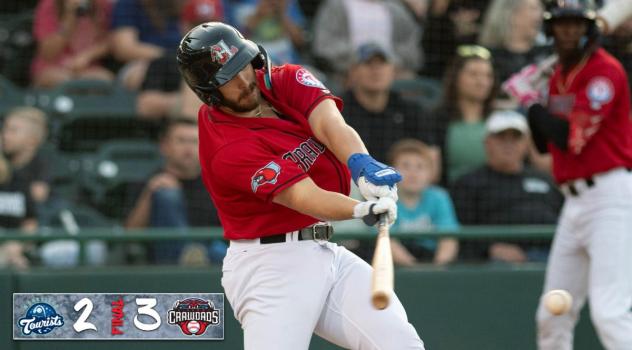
<point x="609" y="17"/>
<point x="382" y="283"/>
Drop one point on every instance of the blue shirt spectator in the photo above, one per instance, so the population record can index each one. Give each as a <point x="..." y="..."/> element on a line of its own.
<point x="132" y="13"/>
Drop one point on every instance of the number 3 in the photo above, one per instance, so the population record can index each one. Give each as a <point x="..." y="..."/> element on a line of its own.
<point x="81" y="324"/>
<point x="146" y="305"/>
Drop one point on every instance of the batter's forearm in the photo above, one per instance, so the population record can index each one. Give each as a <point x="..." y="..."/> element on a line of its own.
<point x="309" y="199"/>
<point x="330" y="128"/>
<point x="346" y="143"/>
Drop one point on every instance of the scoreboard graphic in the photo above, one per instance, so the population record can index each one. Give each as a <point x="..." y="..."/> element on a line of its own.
<point x="118" y="316"/>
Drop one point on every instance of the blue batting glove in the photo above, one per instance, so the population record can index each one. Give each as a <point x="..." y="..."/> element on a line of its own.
<point x="375" y="172"/>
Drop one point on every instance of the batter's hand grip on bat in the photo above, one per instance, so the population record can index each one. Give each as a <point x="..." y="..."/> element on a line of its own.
<point x="382" y="279"/>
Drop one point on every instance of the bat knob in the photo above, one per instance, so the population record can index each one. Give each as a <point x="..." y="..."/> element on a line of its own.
<point x="380" y="300"/>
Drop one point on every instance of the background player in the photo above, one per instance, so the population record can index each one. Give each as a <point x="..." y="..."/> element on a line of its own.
<point x="587" y="129"/>
<point x="272" y="149"/>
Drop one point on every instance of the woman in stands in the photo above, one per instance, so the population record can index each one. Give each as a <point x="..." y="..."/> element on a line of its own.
<point x="71" y="38"/>
<point x="469" y="91"/>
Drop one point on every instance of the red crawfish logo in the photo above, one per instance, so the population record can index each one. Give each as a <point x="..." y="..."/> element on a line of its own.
<point x="267" y="174"/>
<point x="193" y="315"/>
<point x="220" y="53"/>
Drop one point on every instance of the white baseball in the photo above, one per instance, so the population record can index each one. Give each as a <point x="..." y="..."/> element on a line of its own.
<point x="558" y="301"/>
<point x="193" y="326"/>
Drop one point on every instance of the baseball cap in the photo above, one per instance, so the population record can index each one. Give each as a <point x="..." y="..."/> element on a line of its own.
<point x="500" y="121"/>
<point x="367" y="51"/>
<point x="200" y="11"/>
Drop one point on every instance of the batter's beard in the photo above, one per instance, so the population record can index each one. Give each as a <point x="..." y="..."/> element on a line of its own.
<point x="241" y="106"/>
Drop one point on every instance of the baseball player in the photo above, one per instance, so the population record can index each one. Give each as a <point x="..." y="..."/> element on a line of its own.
<point x="586" y="127"/>
<point x="273" y="148"/>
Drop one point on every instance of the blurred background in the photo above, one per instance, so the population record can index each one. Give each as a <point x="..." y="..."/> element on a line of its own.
<point x="100" y="187"/>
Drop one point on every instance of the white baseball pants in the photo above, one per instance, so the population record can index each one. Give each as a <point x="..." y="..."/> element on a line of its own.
<point x="281" y="293"/>
<point x="591" y="257"/>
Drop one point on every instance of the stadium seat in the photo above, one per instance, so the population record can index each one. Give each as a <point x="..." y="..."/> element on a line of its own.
<point x="85" y="113"/>
<point x="116" y="164"/>
<point x="425" y="91"/>
<point x="87" y="98"/>
<point x="11" y="96"/>
<point x="17" y="46"/>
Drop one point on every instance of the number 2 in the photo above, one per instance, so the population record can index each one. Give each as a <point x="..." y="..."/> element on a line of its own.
<point x="81" y="324"/>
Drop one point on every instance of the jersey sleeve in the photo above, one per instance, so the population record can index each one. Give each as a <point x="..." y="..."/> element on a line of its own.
<point x="594" y="103"/>
<point x="255" y="171"/>
<point x="300" y="89"/>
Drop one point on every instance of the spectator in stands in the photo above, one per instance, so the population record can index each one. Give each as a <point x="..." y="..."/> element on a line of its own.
<point x="271" y="26"/>
<point x="421" y="206"/>
<point x="16" y="212"/>
<point x="506" y="192"/>
<point x="449" y="24"/>
<point x="619" y="44"/>
<point x="145" y="34"/>
<point x="511" y="30"/>
<point x="175" y="196"/>
<point x="469" y="90"/>
<point x="71" y="38"/>
<point x="379" y="115"/>
<point x="164" y="93"/>
<point x="341" y="27"/>
<point x="23" y="132"/>
<point x="195" y="12"/>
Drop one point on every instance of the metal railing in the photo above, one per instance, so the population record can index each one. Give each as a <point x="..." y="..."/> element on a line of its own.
<point x="118" y="234"/>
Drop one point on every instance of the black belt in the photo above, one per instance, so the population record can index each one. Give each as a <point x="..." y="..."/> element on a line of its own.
<point x="319" y="232"/>
<point x="590" y="182"/>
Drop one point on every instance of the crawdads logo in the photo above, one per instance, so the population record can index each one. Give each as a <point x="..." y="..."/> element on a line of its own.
<point x="267" y="174"/>
<point x="306" y="78"/>
<point x="40" y="318"/>
<point x="221" y="53"/>
<point x="193" y="315"/>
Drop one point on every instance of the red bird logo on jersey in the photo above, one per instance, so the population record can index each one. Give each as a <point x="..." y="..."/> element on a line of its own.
<point x="266" y="175"/>
<point x="220" y="53"/>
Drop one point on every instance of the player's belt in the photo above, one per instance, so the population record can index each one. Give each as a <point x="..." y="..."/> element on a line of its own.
<point x="318" y="232"/>
<point x="575" y="187"/>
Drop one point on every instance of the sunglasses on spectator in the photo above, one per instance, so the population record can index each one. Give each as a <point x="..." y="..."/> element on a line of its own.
<point x="473" y="51"/>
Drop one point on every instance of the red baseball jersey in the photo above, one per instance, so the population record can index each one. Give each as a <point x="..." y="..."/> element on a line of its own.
<point x="595" y="99"/>
<point x="247" y="161"/>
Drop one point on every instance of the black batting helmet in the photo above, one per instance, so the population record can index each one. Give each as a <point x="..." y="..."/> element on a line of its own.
<point x="211" y="54"/>
<point x="585" y="9"/>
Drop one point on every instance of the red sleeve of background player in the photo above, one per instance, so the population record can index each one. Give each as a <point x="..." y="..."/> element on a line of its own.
<point x="247" y="168"/>
<point x="46" y="22"/>
<point x="594" y="102"/>
<point x="300" y="89"/>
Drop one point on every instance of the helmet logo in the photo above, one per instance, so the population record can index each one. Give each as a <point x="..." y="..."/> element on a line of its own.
<point x="221" y="53"/>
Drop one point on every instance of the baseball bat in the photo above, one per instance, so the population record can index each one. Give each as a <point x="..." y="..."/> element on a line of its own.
<point x="382" y="279"/>
<point x="613" y="14"/>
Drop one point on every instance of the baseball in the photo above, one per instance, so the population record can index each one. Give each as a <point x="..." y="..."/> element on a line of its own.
<point x="193" y="326"/>
<point x="558" y="301"/>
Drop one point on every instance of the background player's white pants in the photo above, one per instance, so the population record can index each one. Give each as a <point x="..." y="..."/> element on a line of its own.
<point x="592" y="256"/>
<point x="282" y="293"/>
